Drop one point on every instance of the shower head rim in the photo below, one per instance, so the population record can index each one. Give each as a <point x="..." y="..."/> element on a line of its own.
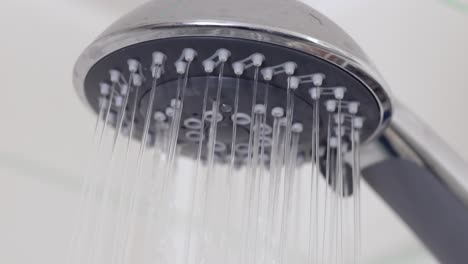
<point x="360" y="70"/>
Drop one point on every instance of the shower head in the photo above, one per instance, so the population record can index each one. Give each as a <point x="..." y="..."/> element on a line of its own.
<point x="267" y="51"/>
<point x="249" y="83"/>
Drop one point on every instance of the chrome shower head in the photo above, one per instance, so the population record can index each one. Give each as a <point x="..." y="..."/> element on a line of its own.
<point x="323" y="61"/>
<point x="249" y="83"/>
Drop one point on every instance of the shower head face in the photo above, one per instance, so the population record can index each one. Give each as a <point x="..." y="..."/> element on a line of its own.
<point x="231" y="84"/>
<point x="192" y="114"/>
<point x="325" y="50"/>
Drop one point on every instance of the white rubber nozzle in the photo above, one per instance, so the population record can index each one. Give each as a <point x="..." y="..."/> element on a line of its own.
<point x="104" y="88"/>
<point x="181" y="67"/>
<point x="241" y="119"/>
<point x="133" y="65"/>
<point x="297" y="128"/>
<point x="159" y="116"/>
<point x="353" y="108"/>
<point x="314" y="93"/>
<point x="260" y="109"/>
<point x="170" y="112"/>
<point x="258" y="59"/>
<point x="318" y="79"/>
<point x="156" y="71"/>
<point x="194" y="136"/>
<point x="333" y="142"/>
<point x="290" y="68"/>
<point x="209" y="66"/>
<point x="158" y="58"/>
<point x="190" y="54"/>
<point x="124" y="89"/>
<point x="193" y="123"/>
<point x="294" y="83"/>
<point x="118" y="101"/>
<point x="358" y="122"/>
<point x="331" y="105"/>
<point x="175" y="103"/>
<point x="114" y="76"/>
<point x="223" y="55"/>
<point x="137" y="80"/>
<point x="277" y="112"/>
<point x="267" y="74"/>
<point x="238" y="68"/>
<point x="220" y="147"/>
<point x="339" y="93"/>
<point x="210" y="114"/>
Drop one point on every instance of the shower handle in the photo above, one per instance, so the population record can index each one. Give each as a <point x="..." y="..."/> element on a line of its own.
<point x="409" y="138"/>
<point x="424" y="181"/>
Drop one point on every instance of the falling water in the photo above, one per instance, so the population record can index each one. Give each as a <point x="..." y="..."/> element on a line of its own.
<point x="282" y="190"/>
<point x="78" y="233"/>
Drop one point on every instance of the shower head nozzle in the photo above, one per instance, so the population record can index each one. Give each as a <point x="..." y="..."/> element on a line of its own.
<point x="211" y="62"/>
